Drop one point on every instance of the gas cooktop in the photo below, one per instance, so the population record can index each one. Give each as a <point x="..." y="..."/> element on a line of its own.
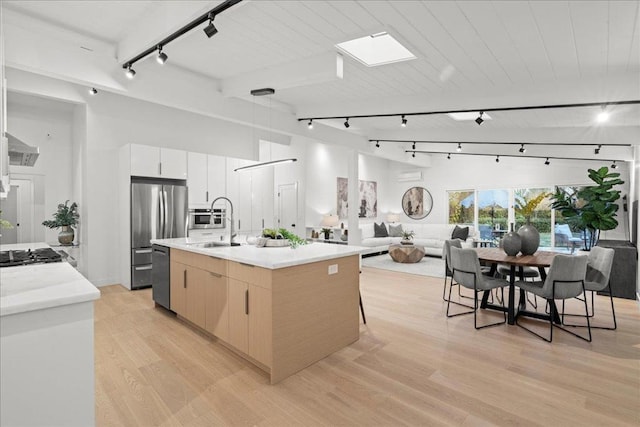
<point x="36" y="256"/>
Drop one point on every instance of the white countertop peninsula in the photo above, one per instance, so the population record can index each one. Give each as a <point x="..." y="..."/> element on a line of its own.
<point x="265" y="257"/>
<point x="280" y="308"/>
<point x="46" y="344"/>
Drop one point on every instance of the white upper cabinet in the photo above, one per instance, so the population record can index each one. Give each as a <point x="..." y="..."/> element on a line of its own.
<point x="158" y="162"/>
<point x="207" y="179"/>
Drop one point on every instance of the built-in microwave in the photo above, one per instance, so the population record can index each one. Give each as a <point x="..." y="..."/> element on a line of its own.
<point x="205" y="218"/>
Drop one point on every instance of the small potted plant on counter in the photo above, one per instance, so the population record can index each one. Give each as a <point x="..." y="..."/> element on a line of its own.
<point x="407" y="237"/>
<point x="280" y="237"/>
<point x="65" y="218"/>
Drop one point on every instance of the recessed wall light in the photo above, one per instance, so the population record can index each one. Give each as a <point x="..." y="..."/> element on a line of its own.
<point x="376" y="49"/>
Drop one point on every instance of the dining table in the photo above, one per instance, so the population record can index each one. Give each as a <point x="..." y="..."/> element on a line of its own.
<point x="539" y="260"/>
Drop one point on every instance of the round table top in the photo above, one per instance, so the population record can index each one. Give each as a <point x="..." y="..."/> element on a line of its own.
<point x="539" y="259"/>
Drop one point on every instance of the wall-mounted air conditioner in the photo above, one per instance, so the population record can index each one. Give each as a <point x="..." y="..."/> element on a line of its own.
<point x="410" y="176"/>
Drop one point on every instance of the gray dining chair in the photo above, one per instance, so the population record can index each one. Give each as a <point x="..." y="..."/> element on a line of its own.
<point x="599" y="264"/>
<point x="466" y="271"/>
<point x="566" y="279"/>
<point x="447" y="265"/>
<point x="527" y="273"/>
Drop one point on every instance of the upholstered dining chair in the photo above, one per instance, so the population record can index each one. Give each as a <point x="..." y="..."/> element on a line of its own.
<point x="527" y="273"/>
<point x="466" y="271"/>
<point x="566" y="279"/>
<point x="599" y="265"/>
<point x="447" y="264"/>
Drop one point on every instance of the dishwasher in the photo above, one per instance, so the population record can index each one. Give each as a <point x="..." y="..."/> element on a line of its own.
<point x="160" y="275"/>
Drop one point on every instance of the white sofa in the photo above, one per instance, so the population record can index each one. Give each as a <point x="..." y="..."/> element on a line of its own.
<point x="431" y="236"/>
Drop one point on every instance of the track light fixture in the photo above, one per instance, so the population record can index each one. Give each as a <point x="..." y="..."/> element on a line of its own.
<point x="93" y="91"/>
<point x="522" y="149"/>
<point x="413" y="155"/>
<point x="346" y="123"/>
<point x="310" y="125"/>
<point x="614" y="165"/>
<point x="547" y="162"/>
<point x="162" y="57"/>
<point x="497" y="159"/>
<point x="378" y="144"/>
<point x="459" y="149"/>
<point x="404" y="122"/>
<point x="597" y="150"/>
<point x="519" y="156"/>
<point x="479" y="120"/>
<point x="414" y="145"/>
<point x="448" y="156"/>
<point x="210" y="30"/>
<point x="130" y="72"/>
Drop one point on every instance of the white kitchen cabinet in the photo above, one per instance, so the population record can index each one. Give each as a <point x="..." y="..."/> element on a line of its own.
<point x="157" y="162"/>
<point x="206" y="179"/>
<point x="239" y="192"/>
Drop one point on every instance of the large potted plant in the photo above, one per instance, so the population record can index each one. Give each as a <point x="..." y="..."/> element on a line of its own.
<point x="593" y="208"/>
<point x="65" y="218"/>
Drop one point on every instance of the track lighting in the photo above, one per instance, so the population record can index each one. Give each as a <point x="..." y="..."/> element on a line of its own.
<point x="346" y="123"/>
<point x="497" y="159"/>
<point x="404" y="122"/>
<point x="597" y="150"/>
<point x="479" y="120"/>
<point x="414" y="145"/>
<point x="93" y="91"/>
<point x="413" y="155"/>
<point x="210" y="30"/>
<point x="614" y="165"/>
<point x="448" y="156"/>
<point x="459" y="149"/>
<point x="522" y="149"/>
<point x="310" y="125"/>
<point x="130" y="73"/>
<point x="547" y="162"/>
<point x="162" y="57"/>
<point x="378" y="144"/>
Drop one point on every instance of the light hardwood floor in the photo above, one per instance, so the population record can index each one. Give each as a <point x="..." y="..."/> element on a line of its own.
<point x="411" y="366"/>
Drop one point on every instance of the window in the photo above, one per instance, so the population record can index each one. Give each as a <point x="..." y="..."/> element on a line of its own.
<point x="534" y="205"/>
<point x="462" y="207"/>
<point x="493" y="213"/>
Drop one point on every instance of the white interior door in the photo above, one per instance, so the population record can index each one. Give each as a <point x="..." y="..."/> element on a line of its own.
<point x="288" y="207"/>
<point x="17" y="208"/>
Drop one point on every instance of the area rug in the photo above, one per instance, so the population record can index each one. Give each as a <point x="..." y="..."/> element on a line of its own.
<point x="428" y="266"/>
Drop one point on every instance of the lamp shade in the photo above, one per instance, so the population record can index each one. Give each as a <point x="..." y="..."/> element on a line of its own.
<point x="329" y="221"/>
<point x="393" y="217"/>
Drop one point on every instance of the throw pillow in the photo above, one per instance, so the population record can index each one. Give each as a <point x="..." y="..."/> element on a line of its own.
<point x="395" y="230"/>
<point x="460" y="233"/>
<point x="380" y="230"/>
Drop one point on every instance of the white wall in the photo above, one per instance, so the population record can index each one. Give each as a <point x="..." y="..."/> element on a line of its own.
<point x="47" y="125"/>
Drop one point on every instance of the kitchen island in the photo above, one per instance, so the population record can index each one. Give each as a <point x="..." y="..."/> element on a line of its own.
<point x="46" y="344"/>
<point x="282" y="309"/>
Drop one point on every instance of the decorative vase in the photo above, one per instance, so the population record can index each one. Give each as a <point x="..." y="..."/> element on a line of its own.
<point x="511" y="243"/>
<point x="66" y="235"/>
<point x="530" y="239"/>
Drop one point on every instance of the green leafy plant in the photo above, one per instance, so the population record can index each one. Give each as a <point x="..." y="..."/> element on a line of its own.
<point x="65" y="216"/>
<point x="326" y="232"/>
<point x="593" y="208"/>
<point x="408" y="234"/>
<point x="283" y="233"/>
<point x="4" y="223"/>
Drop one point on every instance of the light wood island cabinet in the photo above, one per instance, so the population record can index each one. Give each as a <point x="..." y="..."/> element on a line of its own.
<point x="280" y="319"/>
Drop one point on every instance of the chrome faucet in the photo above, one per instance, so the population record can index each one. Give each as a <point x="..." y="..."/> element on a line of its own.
<point x="232" y="233"/>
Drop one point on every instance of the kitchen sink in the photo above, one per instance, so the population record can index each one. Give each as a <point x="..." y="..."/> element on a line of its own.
<point x="212" y="244"/>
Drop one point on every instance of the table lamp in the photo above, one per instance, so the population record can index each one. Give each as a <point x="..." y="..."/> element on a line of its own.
<point x="329" y="221"/>
<point x="393" y="217"/>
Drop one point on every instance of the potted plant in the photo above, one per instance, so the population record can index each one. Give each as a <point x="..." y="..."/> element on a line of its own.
<point x="4" y="223"/>
<point x="407" y="237"/>
<point x="283" y="237"/>
<point x="592" y="208"/>
<point x="65" y="218"/>
<point x="326" y="232"/>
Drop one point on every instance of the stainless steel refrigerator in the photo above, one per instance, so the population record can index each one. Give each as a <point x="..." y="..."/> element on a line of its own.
<point x="158" y="211"/>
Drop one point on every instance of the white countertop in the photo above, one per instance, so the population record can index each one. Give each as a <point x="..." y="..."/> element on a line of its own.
<point x="23" y="246"/>
<point x="267" y="257"/>
<point x="38" y="286"/>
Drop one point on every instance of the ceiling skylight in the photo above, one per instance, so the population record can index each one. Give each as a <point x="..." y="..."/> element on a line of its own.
<point x="376" y="49"/>
<point x="468" y="115"/>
